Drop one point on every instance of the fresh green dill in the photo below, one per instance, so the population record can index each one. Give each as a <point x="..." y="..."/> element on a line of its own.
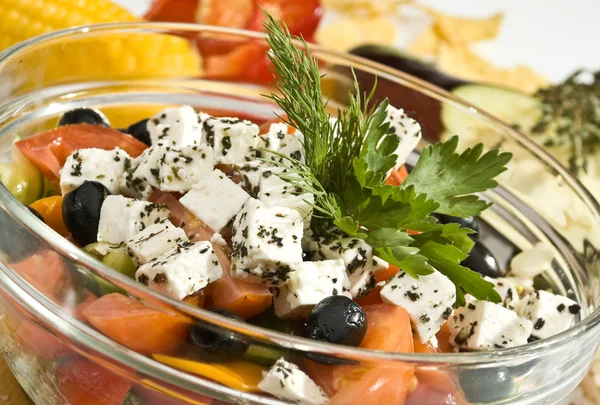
<point x="347" y="162"/>
<point x="571" y="117"/>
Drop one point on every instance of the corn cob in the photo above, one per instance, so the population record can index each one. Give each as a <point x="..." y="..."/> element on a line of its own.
<point x="91" y="57"/>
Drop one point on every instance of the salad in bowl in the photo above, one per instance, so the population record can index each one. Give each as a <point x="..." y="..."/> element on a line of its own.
<point x="320" y="257"/>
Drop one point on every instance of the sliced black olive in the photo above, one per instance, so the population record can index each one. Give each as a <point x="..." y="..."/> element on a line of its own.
<point x="470" y="222"/>
<point x="487" y="385"/>
<point x="483" y="261"/>
<point x="215" y="344"/>
<point x="139" y="130"/>
<point x="84" y="116"/>
<point x="81" y="211"/>
<point x="337" y="319"/>
<point x="37" y="214"/>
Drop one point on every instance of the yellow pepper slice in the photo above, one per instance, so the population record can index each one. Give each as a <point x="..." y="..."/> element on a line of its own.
<point x="50" y="208"/>
<point x="240" y="375"/>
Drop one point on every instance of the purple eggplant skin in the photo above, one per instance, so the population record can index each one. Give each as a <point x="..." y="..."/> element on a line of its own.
<point x="394" y="58"/>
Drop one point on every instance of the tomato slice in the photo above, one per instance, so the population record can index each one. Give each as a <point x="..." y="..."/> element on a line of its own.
<point x="40" y="342"/>
<point x="137" y="326"/>
<point x="389" y="330"/>
<point x="248" y="62"/>
<point x="301" y="17"/>
<point x="83" y="382"/>
<point x="48" y="150"/>
<point x="397" y="177"/>
<point x="172" y="11"/>
<point x="47" y="272"/>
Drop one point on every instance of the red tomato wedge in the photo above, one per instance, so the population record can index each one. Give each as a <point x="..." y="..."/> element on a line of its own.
<point x="397" y="177"/>
<point x="301" y="17"/>
<point x="248" y="62"/>
<point x="86" y="302"/>
<point x="40" y="342"/>
<point x="389" y="330"/>
<point x="83" y="382"/>
<point x="46" y="271"/>
<point x="48" y="150"/>
<point x="173" y="11"/>
<point x="137" y="326"/>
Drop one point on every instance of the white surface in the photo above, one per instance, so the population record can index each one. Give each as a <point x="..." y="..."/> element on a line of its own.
<point x="552" y="36"/>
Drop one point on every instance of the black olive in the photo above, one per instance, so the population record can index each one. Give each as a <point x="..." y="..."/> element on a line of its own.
<point x="337" y="319"/>
<point x="37" y="214"/>
<point x="84" y="116"/>
<point x="215" y="344"/>
<point x="470" y="222"/>
<point x="139" y="131"/>
<point x="483" y="261"/>
<point x="81" y="211"/>
<point x="487" y="385"/>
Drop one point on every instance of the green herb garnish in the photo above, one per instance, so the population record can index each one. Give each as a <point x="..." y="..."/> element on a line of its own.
<point x="347" y="163"/>
<point x="571" y="116"/>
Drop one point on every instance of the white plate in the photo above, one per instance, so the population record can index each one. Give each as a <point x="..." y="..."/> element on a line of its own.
<point x="554" y="37"/>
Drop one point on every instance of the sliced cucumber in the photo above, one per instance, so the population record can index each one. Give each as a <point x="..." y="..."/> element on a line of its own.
<point x="511" y="107"/>
<point x="269" y="320"/>
<point x="115" y="257"/>
<point x="22" y="178"/>
<point x="263" y="355"/>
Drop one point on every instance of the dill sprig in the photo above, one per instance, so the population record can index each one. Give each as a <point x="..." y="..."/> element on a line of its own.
<point x="571" y="117"/>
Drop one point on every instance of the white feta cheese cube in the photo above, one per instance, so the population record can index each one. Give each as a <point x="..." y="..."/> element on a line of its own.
<point x="266" y="242"/>
<point x="181" y="168"/>
<point x="250" y="174"/>
<point x="280" y="140"/>
<point x="508" y="289"/>
<point x="429" y="300"/>
<point x="103" y="166"/>
<point x="549" y="313"/>
<point x="483" y="325"/>
<point x="276" y="192"/>
<point x="141" y="177"/>
<point x="233" y="140"/>
<point x="531" y="262"/>
<point x="286" y="381"/>
<point x="215" y="200"/>
<point x="406" y="129"/>
<point x="307" y="284"/>
<point x="182" y="271"/>
<point x="154" y="241"/>
<point x="363" y="281"/>
<point x="122" y="218"/>
<point x="176" y="126"/>
<point x="357" y="255"/>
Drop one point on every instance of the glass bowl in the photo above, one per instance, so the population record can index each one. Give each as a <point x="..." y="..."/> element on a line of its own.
<point x="48" y="345"/>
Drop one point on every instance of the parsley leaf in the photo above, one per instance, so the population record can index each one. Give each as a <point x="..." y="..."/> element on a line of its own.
<point x="450" y="178"/>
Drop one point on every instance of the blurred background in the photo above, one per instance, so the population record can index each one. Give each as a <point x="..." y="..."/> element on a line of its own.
<point x="530" y="63"/>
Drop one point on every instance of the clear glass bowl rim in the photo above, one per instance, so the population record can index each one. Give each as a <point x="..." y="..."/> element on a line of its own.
<point x="66" y="249"/>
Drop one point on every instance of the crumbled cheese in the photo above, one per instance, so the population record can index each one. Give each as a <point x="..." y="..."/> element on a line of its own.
<point x="276" y="192"/>
<point x="307" y="284"/>
<point x="266" y="242"/>
<point x="154" y="241"/>
<point x="182" y="271"/>
<point x="429" y="300"/>
<point x="215" y="200"/>
<point x="103" y="166"/>
<point x="549" y="313"/>
<point x="286" y="381"/>
<point x="279" y="140"/>
<point x="141" y="177"/>
<point x="218" y="239"/>
<point x="406" y="129"/>
<point x="508" y="289"/>
<point x="233" y="140"/>
<point x="482" y="325"/>
<point x="180" y="126"/>
<point x="122" y="218"/>
<point x="531" y="262"/>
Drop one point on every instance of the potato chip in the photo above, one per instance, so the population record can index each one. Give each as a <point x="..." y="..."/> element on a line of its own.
<point x="364" y="8"/>
<point x="352" y="32"/>
<point x="457" y="30"/>
<point x="426" y="44"/>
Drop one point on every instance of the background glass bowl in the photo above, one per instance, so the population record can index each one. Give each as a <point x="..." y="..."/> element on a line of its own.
<point x="34" y="92"/>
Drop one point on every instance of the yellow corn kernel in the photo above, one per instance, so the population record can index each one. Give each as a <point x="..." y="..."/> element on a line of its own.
<point x="92" y="56"/>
